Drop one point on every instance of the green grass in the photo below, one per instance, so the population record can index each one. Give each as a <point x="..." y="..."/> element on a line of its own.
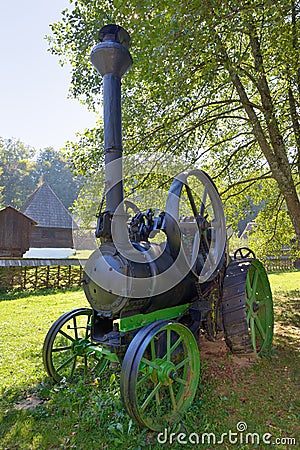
<point x="36" y="415"/>
<point x="288" y="282"/>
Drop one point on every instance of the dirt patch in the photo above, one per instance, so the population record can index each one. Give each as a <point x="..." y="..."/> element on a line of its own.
<point x="217" y="351"/>
<point x="30" y="402"/>
<point x="220" y="366"/>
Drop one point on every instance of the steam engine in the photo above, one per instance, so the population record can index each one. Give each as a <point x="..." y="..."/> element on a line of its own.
<point x="127" y="274"/>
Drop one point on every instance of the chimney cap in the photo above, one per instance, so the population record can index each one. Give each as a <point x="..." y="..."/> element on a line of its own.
<point x="115" y="33"/>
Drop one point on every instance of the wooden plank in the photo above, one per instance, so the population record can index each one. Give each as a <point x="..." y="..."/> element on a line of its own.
<point x="30" y="262"/>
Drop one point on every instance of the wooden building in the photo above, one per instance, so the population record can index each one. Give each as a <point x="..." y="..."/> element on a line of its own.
<point x="15" y="232"/>
<point x="55" y="224"/>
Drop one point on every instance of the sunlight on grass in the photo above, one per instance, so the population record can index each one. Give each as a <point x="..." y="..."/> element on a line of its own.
<point x="89" y="414"/>
<point x="24" y="323"/>
<point x="285" y="281"/>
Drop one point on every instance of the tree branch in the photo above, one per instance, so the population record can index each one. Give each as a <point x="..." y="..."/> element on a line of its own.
<point x="249" y="181"/>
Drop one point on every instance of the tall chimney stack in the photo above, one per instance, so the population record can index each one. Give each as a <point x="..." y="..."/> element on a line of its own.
<point x="112" y="59"/>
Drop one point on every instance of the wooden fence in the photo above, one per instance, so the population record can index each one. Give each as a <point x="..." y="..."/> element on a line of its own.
<point x="32" y="274"/>
<point x="280" y="265"/>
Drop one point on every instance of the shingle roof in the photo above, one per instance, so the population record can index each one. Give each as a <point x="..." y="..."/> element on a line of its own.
<point x="9" y="207"/>
<point x="46" y="208"/>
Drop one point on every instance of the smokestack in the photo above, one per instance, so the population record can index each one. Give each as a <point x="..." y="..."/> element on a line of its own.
<point x="112" y="60"/>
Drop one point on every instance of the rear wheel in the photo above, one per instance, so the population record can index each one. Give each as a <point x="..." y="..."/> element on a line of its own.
<point x="66" y="349"/>
<point x="247" y="307"/>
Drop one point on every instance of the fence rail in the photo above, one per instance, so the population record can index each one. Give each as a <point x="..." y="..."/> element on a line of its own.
<point x="279" y="265"/>
<point x="29" y="274"/>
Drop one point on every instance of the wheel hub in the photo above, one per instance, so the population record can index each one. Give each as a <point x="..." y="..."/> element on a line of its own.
<point x="80" y="346"/>
<point x="166" y="372"/>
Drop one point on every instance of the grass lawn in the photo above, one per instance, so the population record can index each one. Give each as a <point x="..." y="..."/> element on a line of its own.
<point x="88" y="414"/>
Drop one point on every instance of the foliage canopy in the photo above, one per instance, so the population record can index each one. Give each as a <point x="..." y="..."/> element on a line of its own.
<point x="217" y="83"/>
<point x="22" y="169"/>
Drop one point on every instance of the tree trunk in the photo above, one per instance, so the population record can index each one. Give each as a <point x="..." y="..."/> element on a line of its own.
<point x="272" y="145"/>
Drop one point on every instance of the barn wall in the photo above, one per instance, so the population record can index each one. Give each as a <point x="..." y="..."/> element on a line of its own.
<point x="14" y="233"/>
<point x="51" y="237"/>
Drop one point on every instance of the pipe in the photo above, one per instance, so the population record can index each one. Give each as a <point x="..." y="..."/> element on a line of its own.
<point x="112" y="59"/>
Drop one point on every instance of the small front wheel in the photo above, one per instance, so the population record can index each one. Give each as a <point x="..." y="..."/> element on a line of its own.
<point x="66" y="349"/>
<point x="160" y="374"/>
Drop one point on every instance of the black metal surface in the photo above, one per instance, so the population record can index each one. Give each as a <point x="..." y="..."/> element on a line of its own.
<point x="112" y="60"/>
<point x="106" y="261"/>
<point x="234" y="307"/>
<point x="126" y="255"/>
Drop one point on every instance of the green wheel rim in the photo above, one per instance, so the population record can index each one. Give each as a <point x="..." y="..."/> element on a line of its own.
<point x="259" y="308"/>
<point x="160" y="374"/>
<point x="66" y="351"/>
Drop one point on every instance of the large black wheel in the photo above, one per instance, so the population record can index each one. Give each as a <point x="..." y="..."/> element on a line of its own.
<point x="247" y="308"/>
<point x="66" y="349"/>
<point x="160" y="374"/>
<point x="195" y="224"/>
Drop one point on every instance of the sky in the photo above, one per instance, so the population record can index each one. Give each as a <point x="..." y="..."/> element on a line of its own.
<point x="33" y="86"/>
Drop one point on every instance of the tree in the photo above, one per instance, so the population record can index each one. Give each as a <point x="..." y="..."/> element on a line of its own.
<point x="16" y="172"/>
<point x="53" y="167"/>
<point x="1" y="189"/>
<point x="22" y="169"/>
<point x="217" y="81"/>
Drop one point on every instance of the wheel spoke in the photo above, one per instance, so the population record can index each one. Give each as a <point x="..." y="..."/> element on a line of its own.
<point x="181" y="381"/>
<point x="203" y="201"/>
<point x="196" y="248"/>
<point x="66" y="363"/>
<point x="174" y="405"/>
<point x="248" y="289"/>
<point x="61" y="349"/>
<point x="174" y="346"/>
<point x="157" y="399"/>
<point x="153" y="353"/>
<point x="254" y="283"/>
<point x="85" y="364"/>
<point x="182" y="363"/>
<point x="260" y="327"/>
<point x="248" y="315"/>
<point x="75" y="327"/>
<point x="168" y="344"/>
<point x="252" y="328"/>
<point x="87" y="327"/>
<point x="66" y="335"/>
<point x="150" y="363"/>
<point x="150" y="396"/>
<point x="191" y="200"/>
<point x="141" y="380"/>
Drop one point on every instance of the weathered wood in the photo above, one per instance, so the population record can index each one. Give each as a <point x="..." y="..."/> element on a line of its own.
<point x="15" y="230"/>
<point x="33" y="274"/>
<point x="32" y="262"/>
<point x="51" y="237"/>
<point x="279" y="265"/>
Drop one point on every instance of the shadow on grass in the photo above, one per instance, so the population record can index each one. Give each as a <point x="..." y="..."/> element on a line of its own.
<point x="89" y="414"/>
<point x="17" y="294"/>
<point x="287" y="309"/>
